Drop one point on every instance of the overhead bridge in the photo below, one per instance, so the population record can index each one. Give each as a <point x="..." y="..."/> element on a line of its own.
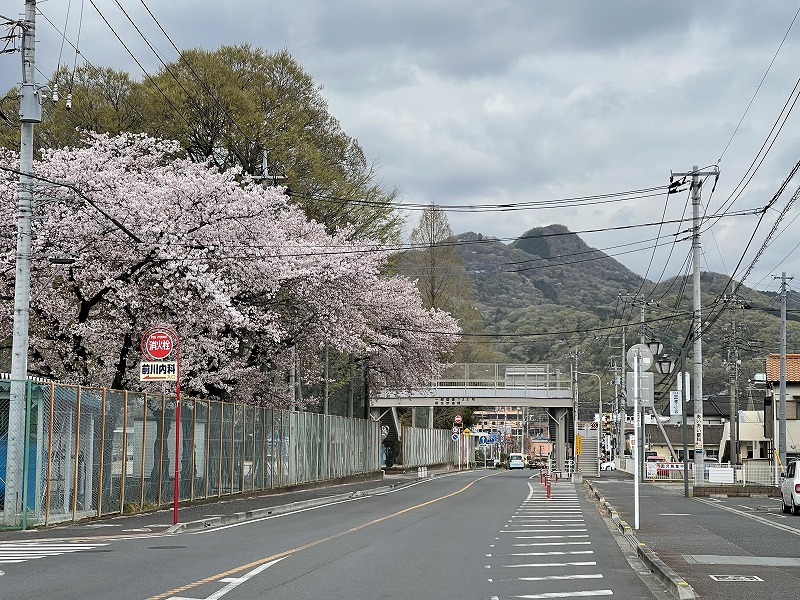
<point x="487" y="385"/>
<point x="480" y="384"/>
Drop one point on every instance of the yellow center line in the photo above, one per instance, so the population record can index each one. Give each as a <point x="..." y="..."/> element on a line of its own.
<point x="285" y="553"/>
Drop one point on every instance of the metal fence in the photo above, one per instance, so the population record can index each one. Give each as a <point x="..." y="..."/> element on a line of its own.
<point x="750" y="472"/>
<point x="93" y="451"/>
<point x="423" y="447"/>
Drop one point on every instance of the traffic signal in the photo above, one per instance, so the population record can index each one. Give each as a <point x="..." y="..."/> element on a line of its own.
<point x="607" y="423"/>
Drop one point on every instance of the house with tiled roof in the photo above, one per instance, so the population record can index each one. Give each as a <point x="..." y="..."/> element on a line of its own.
<point x="772" y="401"/>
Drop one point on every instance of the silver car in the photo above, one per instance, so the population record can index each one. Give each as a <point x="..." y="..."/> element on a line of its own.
<point x="790" y="489"/>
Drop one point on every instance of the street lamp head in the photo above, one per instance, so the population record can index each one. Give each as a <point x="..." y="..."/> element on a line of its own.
<point x="656" y="347"/>
<point x="665" y="365"/>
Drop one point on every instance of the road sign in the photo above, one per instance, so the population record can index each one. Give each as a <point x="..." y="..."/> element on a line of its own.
<point x="644" y="354"/>
<point x="483" y="439"/>
<point x="467" y="431"/>
<point x="457" y="419"/>
<point x="493" y="438"/>
<point x="456" y="429"/>
<point x="157" y="345"/>
<point x="161" y="370"/>
<point x="455" y="437"/>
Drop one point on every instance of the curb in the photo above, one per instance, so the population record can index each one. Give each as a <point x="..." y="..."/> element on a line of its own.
<point x="201" y="524"/>
<point x="674" y="583"/>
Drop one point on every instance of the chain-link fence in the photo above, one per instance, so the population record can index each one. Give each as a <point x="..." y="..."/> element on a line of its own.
<point x="92" y="451"/>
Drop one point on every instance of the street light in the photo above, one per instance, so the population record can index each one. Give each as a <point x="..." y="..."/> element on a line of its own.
<point x="665" y="367"/>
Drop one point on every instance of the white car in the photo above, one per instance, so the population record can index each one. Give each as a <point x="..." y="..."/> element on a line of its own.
<point x="516" y="461"/>
<point x="790" y="489"/>
<point x="608" y="465"/>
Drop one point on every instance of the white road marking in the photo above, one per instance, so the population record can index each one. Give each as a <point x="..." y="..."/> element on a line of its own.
<point x="588" y="563"/>
<point x="552" y="553"/>
<point x="554" y="544"/>
<point x="233" y="582"/>
<point x="562" y="577"/>
<point x="17" y="552"/>
<point x="581" y="594"/>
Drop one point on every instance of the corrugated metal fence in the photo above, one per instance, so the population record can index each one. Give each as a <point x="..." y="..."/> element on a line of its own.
<point x="425" y="447"/>
<point x="95" y="451"/>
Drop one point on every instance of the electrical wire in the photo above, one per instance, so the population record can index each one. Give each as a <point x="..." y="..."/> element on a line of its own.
<point x="760" y="83"/>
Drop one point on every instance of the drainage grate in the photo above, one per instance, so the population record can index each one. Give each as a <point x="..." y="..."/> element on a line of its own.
<point x="736" y="578"/>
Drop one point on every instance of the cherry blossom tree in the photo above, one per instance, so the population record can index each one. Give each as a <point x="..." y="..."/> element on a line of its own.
<point x="241" y="275"/>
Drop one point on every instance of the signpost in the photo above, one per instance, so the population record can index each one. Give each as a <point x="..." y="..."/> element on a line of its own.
<point x="158" y="344"/>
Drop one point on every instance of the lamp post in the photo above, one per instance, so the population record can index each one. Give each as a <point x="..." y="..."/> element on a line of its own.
<point x="599" y="411"/>
<point x="640" y="358"/>
<point x="665" y="367"/>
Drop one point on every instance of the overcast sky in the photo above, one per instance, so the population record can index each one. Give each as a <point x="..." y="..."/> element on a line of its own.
<point x="502" y="102"/>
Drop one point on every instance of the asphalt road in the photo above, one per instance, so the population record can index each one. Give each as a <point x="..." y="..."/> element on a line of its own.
<point x="478" y="534"/>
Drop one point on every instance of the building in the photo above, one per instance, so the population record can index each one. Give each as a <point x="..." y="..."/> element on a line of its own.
<point x="772" y="402"/>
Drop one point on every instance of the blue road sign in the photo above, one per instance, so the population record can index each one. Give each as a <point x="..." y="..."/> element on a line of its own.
<point x="482" y="439"/>
<point x="455" y="437"/>
<point x="493" y="439"/>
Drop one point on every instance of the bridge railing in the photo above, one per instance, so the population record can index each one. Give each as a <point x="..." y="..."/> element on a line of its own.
<point x="498" y="375"/>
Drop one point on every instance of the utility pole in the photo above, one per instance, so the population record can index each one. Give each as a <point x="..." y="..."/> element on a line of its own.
<point x="733" y="381"/>
<point x="697" y="323"/>
<point x="782" y="410"/>
<point x="30" y="112"/>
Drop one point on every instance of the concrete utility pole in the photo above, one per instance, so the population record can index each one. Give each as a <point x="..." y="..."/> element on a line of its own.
<point x="30" y="112"/>
<point x="733" y="381"/>
<point x="782" y="410"/>
<point x="697" y="326"/>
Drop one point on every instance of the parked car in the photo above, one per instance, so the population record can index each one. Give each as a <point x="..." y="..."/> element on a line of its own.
<point x="790" y="488"/>
<point x="608" y="465"/>
<point x="516" y="461"/>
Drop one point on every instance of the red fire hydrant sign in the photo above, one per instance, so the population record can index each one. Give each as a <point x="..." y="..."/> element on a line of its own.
<point x="157" y="345"/>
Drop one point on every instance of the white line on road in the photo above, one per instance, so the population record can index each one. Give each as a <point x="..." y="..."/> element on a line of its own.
<point x="546" y="537"/>
<point x="588" y="563"/>
<point x="581" y="594"/>
<point x="562" y="577"/>
<point x="554" y="544"/>
<point x="552" y="553"/>
<point x="233" y="582"/>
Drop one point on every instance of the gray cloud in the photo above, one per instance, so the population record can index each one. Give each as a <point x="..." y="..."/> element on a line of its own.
<point x="507" y="101"/>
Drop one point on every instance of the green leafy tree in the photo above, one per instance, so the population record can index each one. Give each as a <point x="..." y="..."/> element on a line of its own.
<point x="235" y="104"/>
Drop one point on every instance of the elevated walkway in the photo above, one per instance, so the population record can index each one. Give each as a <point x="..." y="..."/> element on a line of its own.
<point x="484" y="384"/>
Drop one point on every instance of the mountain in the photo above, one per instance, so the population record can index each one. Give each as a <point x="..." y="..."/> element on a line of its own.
<point x="548" y="296"/>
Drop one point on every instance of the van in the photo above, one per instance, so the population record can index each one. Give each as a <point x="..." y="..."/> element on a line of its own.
<point x="516" y="461"/>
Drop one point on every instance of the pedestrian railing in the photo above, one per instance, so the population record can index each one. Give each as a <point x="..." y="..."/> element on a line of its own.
<point x="747" y="473"/>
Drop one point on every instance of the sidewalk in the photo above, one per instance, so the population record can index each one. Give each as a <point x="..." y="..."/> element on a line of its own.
<point x="218" y="512"/>
<point x="730" y="547"/>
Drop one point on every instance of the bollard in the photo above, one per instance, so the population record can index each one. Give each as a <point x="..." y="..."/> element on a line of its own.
<point x="424" y="471"/>
<point x="555" y="477"/>
<point x="548" y="488"/>
<point x="419" y="471"/>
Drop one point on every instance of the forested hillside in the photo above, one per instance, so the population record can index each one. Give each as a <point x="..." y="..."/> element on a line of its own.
<point x="547" y="297"/>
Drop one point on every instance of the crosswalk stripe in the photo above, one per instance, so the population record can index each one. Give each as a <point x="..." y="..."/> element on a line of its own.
<point x="563" y="577"/>
<point x="580" y="594"/>
<point x="17" y="552"/>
